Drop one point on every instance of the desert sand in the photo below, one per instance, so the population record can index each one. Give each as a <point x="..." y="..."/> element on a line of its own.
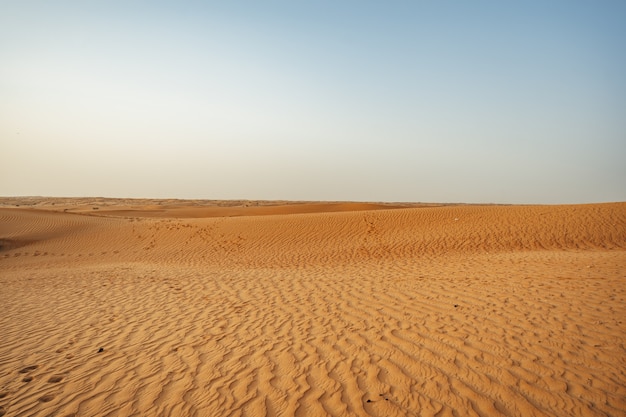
<point x="200" y="308"/>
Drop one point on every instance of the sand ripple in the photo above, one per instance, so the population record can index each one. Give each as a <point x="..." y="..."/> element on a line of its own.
<point x="484" y="311"/>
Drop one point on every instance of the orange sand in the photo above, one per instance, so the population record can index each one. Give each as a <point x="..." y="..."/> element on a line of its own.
<point x="279" y="309"/>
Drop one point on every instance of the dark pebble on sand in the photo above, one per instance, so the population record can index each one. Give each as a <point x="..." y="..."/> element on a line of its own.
<point x="100" y="350"/>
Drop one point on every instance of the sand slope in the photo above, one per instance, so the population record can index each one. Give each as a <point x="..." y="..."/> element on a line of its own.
<point x="357" y="310"/>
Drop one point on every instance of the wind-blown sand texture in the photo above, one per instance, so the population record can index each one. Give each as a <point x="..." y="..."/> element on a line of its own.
<point x="152" y="308"/>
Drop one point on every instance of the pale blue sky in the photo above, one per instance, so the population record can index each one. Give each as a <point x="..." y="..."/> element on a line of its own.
<point x="438" y="101"/>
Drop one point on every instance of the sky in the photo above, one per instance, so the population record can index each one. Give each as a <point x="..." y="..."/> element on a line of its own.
<point x="422" y="101"/>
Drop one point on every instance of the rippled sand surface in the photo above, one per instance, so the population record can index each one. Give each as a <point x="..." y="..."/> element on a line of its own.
<point x="170" y="308"/>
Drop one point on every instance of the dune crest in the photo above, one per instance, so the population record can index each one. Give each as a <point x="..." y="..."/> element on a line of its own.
<point x="321" y="309"/>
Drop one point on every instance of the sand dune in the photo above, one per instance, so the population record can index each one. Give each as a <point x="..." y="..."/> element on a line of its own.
<point x="215" y="309"/>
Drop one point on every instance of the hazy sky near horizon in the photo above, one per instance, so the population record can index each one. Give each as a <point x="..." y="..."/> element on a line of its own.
<point x="435" y="101"/>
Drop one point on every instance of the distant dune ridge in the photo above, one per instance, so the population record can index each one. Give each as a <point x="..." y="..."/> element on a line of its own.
<point x="207" y="308"/>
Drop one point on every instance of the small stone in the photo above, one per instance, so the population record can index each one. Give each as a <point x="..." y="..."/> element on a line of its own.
<point x="100" y="350"/>
<point x="369" y="401"/>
